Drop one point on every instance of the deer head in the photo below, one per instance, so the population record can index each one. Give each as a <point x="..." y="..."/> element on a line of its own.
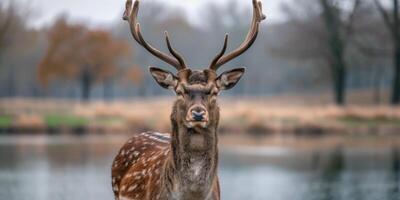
<point x="196" y="91"/>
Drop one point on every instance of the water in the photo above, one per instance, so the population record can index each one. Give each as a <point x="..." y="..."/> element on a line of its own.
<point x="47" y="168"/>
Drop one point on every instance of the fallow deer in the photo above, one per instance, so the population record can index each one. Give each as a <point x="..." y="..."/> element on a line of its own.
<point x="182" y="165"/>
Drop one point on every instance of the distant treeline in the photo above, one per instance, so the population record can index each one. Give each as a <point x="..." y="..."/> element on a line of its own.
<point x="322" y="46"/>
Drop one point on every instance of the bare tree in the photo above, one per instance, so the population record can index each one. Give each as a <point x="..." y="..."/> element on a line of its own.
<point x="7" y="16"/>
<point x="322" y="30"/>
<point x="392" y="22"/>
<point x="339" y="34"/>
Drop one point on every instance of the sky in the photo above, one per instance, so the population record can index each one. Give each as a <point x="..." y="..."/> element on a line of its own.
<point x="103" y="12"/>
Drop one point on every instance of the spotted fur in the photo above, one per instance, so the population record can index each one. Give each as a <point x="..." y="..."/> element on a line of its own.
<point x="139" y="169"/>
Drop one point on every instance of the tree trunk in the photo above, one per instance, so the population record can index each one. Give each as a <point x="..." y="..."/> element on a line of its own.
<point x="340" y="74"/>
<point x="337" y="50"/>
<point x="396" y="34"/>
<point x="341" y="86"/>
<point x="86" y="85"/>
<point x="396" y="81"/>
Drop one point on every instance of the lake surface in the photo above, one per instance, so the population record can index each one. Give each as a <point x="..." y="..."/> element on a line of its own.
<point x="64" y="168"/>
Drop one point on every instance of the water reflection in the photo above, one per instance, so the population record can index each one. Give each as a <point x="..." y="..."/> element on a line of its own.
<point x="395" y="170"/>
<point x="81" y="170"/>
<point x="329" y="174"/>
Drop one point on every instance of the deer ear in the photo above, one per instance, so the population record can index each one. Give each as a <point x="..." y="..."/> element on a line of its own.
<point x="229" y="79"/>
<point x="164" y="78"/>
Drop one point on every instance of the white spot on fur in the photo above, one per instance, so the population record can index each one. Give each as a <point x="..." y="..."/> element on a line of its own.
<point x="136" y="173"/>
<point x="129" y="175"/>
<point x="197" y="168"/>
<point x="166" y="153"/>
<point x="124" y="198"/>
<point x="130" y="189"/>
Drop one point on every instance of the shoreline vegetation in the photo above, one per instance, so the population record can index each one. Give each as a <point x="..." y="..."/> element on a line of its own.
<point x="252" y="116"/>
<point x="227" y="143"/>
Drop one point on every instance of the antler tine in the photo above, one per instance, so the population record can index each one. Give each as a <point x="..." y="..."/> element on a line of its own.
<point x="258" y="16"/>
<point x="176" y="54"/>
<point x="251" y="36"/>
<point x="130" y="15"/>
<point x="222" y="52"/>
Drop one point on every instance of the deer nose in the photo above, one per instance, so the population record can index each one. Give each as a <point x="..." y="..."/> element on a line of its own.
<point x="198" y="114"/>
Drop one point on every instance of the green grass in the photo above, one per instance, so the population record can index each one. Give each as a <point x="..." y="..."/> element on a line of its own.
<point x="375" y="121"/>
<point x="5" y="121"/>
<point x="109" y="120"/>
<point x="71" y="121"/>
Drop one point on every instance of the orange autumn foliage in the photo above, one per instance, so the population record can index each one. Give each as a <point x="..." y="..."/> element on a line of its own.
<point x="73" y="48"/>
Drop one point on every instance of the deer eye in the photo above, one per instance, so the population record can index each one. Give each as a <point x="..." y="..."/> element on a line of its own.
<point x="211" y="92"/>
<point x="179" y="92"/>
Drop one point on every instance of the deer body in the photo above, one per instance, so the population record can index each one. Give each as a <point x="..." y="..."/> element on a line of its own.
<point x="148" y="168"/>
<point x="181" y="165"/>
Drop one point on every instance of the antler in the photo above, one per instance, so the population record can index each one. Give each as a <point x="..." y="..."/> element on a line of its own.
<point x="251" y="37"/>
<point x="130" y="15"/>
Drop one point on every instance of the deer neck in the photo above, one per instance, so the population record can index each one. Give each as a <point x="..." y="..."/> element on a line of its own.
<point x="192" y="166"/>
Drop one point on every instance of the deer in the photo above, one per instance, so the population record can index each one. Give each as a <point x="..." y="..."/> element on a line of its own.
<point x="181" y="165"/>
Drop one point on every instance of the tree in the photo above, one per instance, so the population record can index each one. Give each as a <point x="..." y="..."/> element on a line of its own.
<point x="13" y="19"/>
<point x="6" y="20"/>
<point x="321" y="30"/>
<point x="76" y="52"/>
<point x="16" y="42"/>
<point x="373" y="44"/>
<point x="392" y="22"/>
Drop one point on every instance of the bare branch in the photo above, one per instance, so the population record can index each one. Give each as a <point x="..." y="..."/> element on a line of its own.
<point x="5" y="26"/>
<point x="350" y="24"/>
<point x="370" y="50"/>
<point x="385" y="15"/>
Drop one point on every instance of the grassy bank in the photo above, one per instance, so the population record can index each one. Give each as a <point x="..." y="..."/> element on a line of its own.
<point x="245" y="116"/>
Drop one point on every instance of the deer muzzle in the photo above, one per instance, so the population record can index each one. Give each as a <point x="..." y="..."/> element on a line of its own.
<point x="197" y="116"/>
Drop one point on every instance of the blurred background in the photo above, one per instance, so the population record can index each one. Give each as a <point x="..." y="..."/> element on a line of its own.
<point x="316" y="116"/>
